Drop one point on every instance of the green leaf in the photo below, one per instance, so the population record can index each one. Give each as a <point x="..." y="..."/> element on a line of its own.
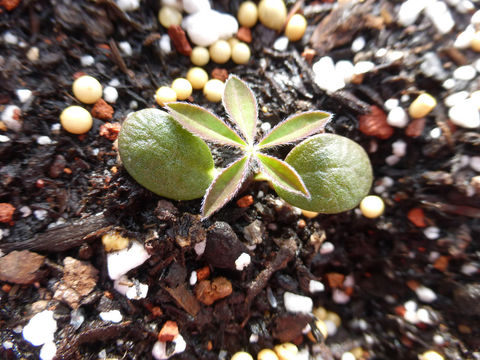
<point x="225" y="186"/>
<point x="336" y="171"/>
<point x="282" y="174"/>
<point x="241" y="105"/>
<point x="296" y="127"/>
<point x="204" y="124"/>
<point x="163" y="157"/>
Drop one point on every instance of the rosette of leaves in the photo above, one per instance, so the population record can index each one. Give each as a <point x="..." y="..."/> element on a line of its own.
<point x="327" y="173"/>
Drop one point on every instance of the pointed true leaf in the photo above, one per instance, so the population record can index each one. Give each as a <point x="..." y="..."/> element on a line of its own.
<point x="225" y="186"/>
<point x="204" y="124"/>
<point x="241" y="105"/>
<point x="281" y="174"/>
<point x="296" y="127"/>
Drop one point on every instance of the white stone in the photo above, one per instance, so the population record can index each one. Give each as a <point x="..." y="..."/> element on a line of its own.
<point x="349" y="281"/>
<point x="44" y="140"/>
<point x="128" y="5"/>
<point x="177" y="4"/>
<point x="431" y="232"/>
<point x="7" y="345"/>
<point x="411" y="317"/>
<point x="114" y="316"/>
<point x="48" y="351"/>
<point x="397" y="117"/>
<point x="33" y="54"/>
<point x="464" y="38"/>
<point x="325" y="75"/>
<point x="120" y="262"/>
<point x="347" y="356"/>
<point x="11" y="118"/>
<point x="194" y="6"/>
<point x="40" y="214"/>
<point x="424" y="316"/>
<point x="391" y="104"/>
<point x="25" y="211"/>
<point x="394" y="55"/>
<point x="399" y="148"/>
<point x="465" y="6"/>
<point x="449" y="84"/>
<point x="324" y="64"/>
<point x="363" y="67"/>
<point x="114" y="82"/>
<point x="381" y="52"/>
<point x="438" y="339"/>
<point x="438" y="13"/>
<point x="475" y="19"/>
<point x="410" y="305"/>
<point x="159" y="350"/>
<point x="410" y="10"/>
<point x="40" y="329"/>
<point x="10" y="38"/>
<point x="331" y="327"/>
<point x="466" y="72"/>
<point x="266" y="126"/>
<point x="281" y="44"/>
<point x="193" y="278"/>
<point x="242" y="261"/>
<point x="392" y="160"/>
<point x="358" y="44"/>
<point x="326" y="248"/>
<point x="465" y="114"/>
<point x="315" y="286"/>
<point x="344" y="70"/>
<point x="253" y="338"/>
<point x="425" y="294"/>
<point x="87" y="60"/>
<point x="435" y="133"/>
<point x="297" y="303"/>
<point x="469" y="269"/>
<point x="207" y="26"/>
<point x="132" y="289"/>
<point x="110" y="94"/>
<point x="4" y="139"/>
<point x="165" y="44"/>
<point x="200" y="247"/>
<point x="340" y="296"/>
<point x="475" y="163"/>
<point x="125" y="47"/>
<point x="23" y="95"/>
<point x="456" y="98"/>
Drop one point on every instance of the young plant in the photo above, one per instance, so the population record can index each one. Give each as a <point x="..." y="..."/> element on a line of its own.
<point x="325" y="173"/>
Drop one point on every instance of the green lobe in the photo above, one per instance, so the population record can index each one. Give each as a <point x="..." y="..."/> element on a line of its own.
<point x="225" y="186"/>
<point x="241" y="105"/>
<point x="204" y="124"/>
<point x="296" y="127"/>
<point x="163" y="157"/>
<point x="336" y="171"/>
<point x="282" y="174"/>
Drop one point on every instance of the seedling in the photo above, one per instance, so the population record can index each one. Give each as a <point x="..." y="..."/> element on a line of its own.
<point x="325" y="173"/>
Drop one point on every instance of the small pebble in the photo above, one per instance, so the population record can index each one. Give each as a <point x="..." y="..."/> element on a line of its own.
<point x="392" y="160"/>
<point x="475" y="163"/>
<point x="397" y="117"/>
<point x="372" y="206"/>
<point x="267" y="354"/>
<point x="466" y="72"/>
<point x="425" y="294"/>
<point x="33" y="54"/>
<point x="465" y="6"/>
<point x="469" y="269"/>
<point x="213" y="90"/>
<point x="475" y="98"/>
<point x="87" y="60"/>
<point x="126" y="48"/>
<point x="456" y="98"/>
<point x="315" y="286"/>
<point x="296" y="27"/>
<point x="247" y="14"/>
<point x="297" y="303"/>
<point x="286" y="351"/>
<point x="363" y="67"/>
<point x="422" y="106"/>
<point x="281" y="44"/>
<point x="241" y="355"/>
<point x="120" y="262"/>
<point x="110" y="94"/>
<point x="391" y="104"/>
<point x="40" y="329"/>
<point x="464" y="38"/>
<point x="193" y="278"/>
<point x="465" y="114"/>
<point x="344" y="69"/>
<point x="76" y="120"/>
<point x="410" y="10"/>
<point x="182" y="88"/>
<point x="200" y="56"/>
<point x="114" y="316"/>
<point x="207" y="26"/>
<point x="327" y="248"/>
<point x="272" y="13"/>
<point x="347" y="356"/>
<point x="220" y="52"/>
<point x="87" y="89"/>
<point x="399" y="148"/>
<point x="240" y="53"/>
<point x="44" y="140"/>
<point x="475" y="42"/>
<point x="128" y="5"/>
<point x="10" y="38"/>
<point x="160" y="352"/>
<point x="332" y="328"/>
<point x="194" y="6"/>
<point x="165" y="95"/>
<point x="198" y="77"/>
<point x="430" y="355"/>
<point x="449" y="84"/>
<point x="242" y="261"/>
<point x="439" y="14"/>
<point x="340" y="297"/>
<point x="475" y="19"/>
<point x="48" y="351"/>
<point x="11" y="118"/>
<point x="358" y="44"/>
<point x="431" y="232"/>
<point x="165" y="44"/>
<point x="168" y="16"/>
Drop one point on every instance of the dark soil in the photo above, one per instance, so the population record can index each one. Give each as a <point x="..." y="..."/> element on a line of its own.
<point x="85" y="192"/>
